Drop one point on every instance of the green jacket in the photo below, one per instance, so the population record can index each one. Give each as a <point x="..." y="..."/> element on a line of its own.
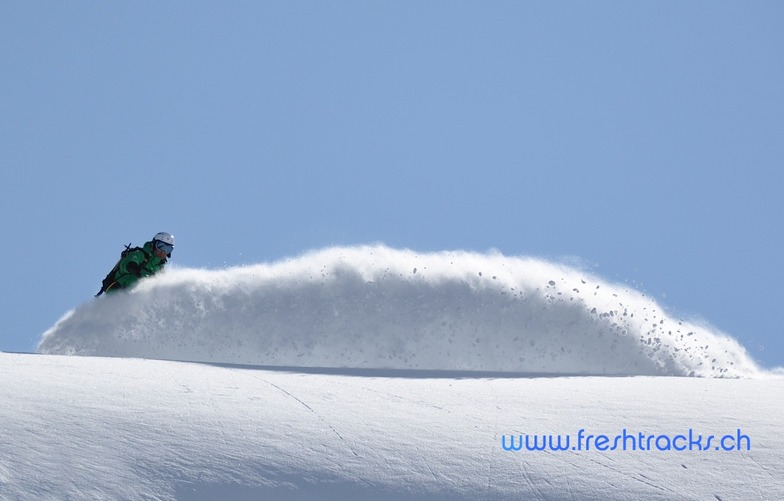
<point x="136" y="265"/>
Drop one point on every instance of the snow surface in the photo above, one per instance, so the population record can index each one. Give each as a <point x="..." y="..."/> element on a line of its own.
<point x="380" y="374"/>
<point x="107" y="428"/>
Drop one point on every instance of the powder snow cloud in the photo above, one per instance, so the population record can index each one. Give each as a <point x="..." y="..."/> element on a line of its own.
<point x="375" y="307"/>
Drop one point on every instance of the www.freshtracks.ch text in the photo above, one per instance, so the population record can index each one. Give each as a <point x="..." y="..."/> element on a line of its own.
<point x="626" y="441"/>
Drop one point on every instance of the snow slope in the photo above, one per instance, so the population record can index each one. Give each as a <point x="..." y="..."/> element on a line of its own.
<point x="380" y="374"/>
<point x="74" y="428"/>
<point x="377" y="307"/>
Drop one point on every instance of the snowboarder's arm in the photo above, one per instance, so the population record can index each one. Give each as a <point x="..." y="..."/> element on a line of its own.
<point x="130" y="268"/>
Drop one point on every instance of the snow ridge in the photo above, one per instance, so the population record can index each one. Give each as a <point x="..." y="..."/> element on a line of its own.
<point x="376" y="307"/>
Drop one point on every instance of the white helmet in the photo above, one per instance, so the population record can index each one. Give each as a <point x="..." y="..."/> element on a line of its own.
<point x="164" y="237"/>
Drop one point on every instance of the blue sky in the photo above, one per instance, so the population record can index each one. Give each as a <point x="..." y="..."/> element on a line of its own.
<point x="642" y="138"/>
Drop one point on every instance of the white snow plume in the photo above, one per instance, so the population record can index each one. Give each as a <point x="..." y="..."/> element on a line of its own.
<point x="374" y="307"/>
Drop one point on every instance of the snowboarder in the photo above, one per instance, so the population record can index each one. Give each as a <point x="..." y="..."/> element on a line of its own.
<point x="138" y="262"/>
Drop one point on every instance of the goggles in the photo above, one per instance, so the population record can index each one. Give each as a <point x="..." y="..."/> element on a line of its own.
<point x="163" y="246"/>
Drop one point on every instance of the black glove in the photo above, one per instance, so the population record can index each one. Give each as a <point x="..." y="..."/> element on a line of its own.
<point x="134" y="269"/>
